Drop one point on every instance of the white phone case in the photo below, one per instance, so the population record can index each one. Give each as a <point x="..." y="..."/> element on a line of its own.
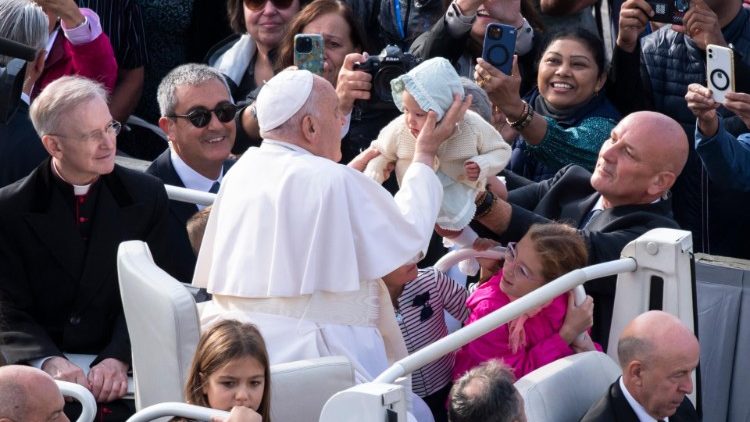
<point x="719" y="71"/>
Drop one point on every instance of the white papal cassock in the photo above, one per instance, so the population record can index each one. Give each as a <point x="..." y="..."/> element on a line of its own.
<point x="296" y="244"/>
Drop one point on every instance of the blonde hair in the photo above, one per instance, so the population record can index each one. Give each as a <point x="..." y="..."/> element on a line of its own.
<point x="560" y="248"/>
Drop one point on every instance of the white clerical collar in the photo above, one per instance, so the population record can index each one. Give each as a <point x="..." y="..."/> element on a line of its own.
<point x="78" y="190"/>
<point x="191" y="178"/>
<point x="640" y="412"/>
<point x="274" y="144"/>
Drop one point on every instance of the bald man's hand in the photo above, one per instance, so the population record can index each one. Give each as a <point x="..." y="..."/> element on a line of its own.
<point x="62" y="369"/>
<point x="109" y="380"/>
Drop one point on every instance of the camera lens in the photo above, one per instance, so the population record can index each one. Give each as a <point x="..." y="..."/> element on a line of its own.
<point x="496" y="32"/>
<point x="303" y="45"/>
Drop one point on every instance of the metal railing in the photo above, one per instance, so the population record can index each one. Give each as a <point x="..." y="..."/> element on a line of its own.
<point x="191" y="196"/>
<point x="182" y="410"/>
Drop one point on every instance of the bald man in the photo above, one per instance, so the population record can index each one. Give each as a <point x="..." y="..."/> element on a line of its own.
<point x="30" y="395"/>
<point x="658" y="355"/>
<point x="626" y="196"/>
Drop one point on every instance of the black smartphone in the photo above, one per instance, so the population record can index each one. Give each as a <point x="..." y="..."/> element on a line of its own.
<point x="499" y="46"/>
<point x="669" y="11"/>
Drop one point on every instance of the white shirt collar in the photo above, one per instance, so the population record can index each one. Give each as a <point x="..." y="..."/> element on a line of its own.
<point x="51" y="41"/>
<point x="274" y="144"/>
<point x="191" y="178"/>
<point x="25" y="98"/>
<point x="599" y="204"/>
<point x="640" y="412"/>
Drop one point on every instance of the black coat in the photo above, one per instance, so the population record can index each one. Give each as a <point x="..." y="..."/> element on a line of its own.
<point x="58" y="292"/>
<point x="567" y="198"/>
<point x="182" y="255"/>
<point x="614" y="407"/>
<point x="21" y="150"/>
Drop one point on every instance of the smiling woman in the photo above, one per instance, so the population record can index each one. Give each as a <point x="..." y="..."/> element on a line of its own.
<point x="564" y="119"/>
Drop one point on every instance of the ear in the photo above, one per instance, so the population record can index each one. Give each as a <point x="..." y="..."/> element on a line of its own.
<point x="600" y="82"/>
<point x="661" y="182"/>
<point x="52" y="145"/>
<point x="634" y="373"/>
<point x="168" y="126"/>
<point x="310" y="129"/>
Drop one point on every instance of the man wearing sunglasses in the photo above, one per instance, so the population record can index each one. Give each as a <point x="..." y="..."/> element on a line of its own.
<point x="626" y="196"/>
<point x="198" y="118"/>
<point x="60" y="228"/>
<point x="294" y="235"/>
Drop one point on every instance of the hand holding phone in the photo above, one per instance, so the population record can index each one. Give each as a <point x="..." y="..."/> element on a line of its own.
<point x="499" y="46"/>
<point x="719" y="71"/>
<point x="308" y="52"/>
<point x="669" y="11"/>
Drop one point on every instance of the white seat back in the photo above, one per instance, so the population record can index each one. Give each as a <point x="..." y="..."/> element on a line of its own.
<point x="563" y="390"/>
<point x="300" y="389"/>
<point x="163" y="325"/>
<point x="83" y="396"/>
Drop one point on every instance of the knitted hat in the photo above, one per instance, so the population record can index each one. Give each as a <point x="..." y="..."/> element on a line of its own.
<point x="282" y="97"/>
<point x="432" y="84"/>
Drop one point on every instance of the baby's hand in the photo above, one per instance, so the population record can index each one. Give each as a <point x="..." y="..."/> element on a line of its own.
<point x="472" y="170"/>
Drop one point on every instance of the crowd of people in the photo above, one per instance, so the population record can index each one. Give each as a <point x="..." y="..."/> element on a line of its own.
<point x="334" y="191"/>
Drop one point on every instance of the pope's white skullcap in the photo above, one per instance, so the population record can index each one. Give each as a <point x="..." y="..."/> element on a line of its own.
<point x="282" y="97"/>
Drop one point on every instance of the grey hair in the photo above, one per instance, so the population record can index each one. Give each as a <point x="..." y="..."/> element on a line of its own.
<point x="23" y="21"/>
<point x="634" y="348"/>
<point x="59" y="97"/>
<point x="480" y="102"/>
<point x="496" y="401"/>
<point x="187" y="74"/>
<point x="291" y="128"/>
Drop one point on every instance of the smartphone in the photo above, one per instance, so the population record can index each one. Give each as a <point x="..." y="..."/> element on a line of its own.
<point x="719" y="71"/>
<point x="499" y="46"/>
<point x="308" y="52"/>
<point x="669" y="11"/>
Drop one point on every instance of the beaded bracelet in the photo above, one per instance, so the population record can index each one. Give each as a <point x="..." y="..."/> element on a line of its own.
<point x="524" y="120"/>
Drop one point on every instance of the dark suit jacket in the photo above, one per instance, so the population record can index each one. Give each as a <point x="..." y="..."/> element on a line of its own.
<point x="21" y="150"/>
<point x="567" y="198"/>
<point x="614" y="407"/>
<point x="183" y="258"/>
<point x="58" y="293"/>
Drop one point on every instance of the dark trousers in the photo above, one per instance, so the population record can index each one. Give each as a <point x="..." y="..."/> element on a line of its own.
<point x="437" y="403"/>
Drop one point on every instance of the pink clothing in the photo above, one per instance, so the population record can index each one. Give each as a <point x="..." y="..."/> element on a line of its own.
<point x="544" y="344"/>
<point x="94" y="60"/>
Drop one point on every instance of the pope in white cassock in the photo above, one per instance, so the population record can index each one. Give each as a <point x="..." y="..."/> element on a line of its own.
<point x="297" y="243"/>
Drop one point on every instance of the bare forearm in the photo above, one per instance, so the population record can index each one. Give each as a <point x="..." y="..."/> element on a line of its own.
<point x="127" y="93"/>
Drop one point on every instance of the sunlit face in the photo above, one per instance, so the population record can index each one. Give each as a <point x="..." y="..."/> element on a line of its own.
<point x="415" y="116"/>
<point x="267" y="25"/>
<point x="624" y="173"/>
<point x="331" y="121"/>
<point x="400" y="276"/>
<point x="241" y="382"/>
<point x="522" y="270"/>
<point x="85" y="142"/>
<point x="201" y="148"/>
<point x="568" y="74"/>
<point x="666" y="380"/>
<point x="338" y="43"/>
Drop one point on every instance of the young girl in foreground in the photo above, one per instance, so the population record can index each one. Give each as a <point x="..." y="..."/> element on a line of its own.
<point x="230" y="368"/>
<point x="541" y="335"/>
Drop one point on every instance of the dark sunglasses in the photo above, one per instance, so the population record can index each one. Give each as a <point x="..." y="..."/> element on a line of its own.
<point x="201" y="117"/>
<point x="259" y="4"/>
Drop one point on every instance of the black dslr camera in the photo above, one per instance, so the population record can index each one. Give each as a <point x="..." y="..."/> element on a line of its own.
<point x="390" y="64"/>
<point x="669" y="11"/>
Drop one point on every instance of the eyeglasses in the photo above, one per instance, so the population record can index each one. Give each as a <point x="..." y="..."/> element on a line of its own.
<point x="259" y="4"/>
<point x="201" y="116"/>
<point x="511" y="255"/>
<point x="113" y="128"/>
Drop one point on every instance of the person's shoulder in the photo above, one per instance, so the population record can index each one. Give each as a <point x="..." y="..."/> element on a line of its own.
<point x="662" y="41"/>
<point x="139" y="185"/>
<point x="157" y="167"/>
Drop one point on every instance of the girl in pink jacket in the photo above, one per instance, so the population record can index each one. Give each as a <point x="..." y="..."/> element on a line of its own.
<point x="541" y="335"/>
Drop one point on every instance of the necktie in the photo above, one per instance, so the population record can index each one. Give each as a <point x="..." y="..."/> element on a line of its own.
<point x="215" y="187"/>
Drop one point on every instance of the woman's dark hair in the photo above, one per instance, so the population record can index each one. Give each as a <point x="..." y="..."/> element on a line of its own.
<point x="222" y="343"/>
<point x="311" y="12"/>
<point x="236" y="14"/>
<point x="592" y="42"/>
